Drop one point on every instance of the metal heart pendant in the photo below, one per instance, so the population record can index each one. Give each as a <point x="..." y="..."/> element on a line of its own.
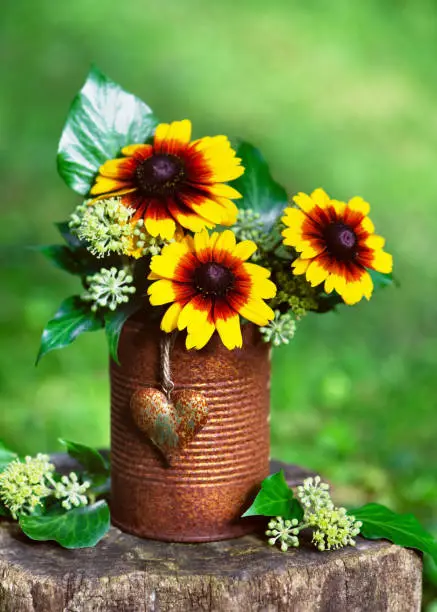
<point x="170" y="424"/>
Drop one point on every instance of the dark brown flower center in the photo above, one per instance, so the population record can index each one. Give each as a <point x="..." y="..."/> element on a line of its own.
<point x="159" y="174"/>
<point x="213" y="279"/>
<point x="341" y="241"/>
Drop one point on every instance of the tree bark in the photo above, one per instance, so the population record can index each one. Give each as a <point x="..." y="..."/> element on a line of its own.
<point x="124" y="573"/>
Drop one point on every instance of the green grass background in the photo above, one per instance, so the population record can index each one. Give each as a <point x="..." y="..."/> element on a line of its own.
<point x="336" y="93"/>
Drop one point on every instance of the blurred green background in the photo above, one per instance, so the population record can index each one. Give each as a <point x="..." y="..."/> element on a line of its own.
<point x="337" y="93"/>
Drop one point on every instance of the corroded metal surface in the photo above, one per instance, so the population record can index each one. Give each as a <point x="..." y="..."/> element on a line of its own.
<point x="211" y="481"/>
<point x="171" y="423"/>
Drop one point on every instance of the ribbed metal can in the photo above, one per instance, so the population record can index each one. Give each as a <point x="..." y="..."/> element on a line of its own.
<point x="201" y="496"/>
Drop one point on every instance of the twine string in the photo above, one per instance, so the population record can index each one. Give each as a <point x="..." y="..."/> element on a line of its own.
<point x="167" y="343"/>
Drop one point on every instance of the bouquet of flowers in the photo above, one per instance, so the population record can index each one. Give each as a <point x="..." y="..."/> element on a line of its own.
<point x="151" y="233"/>
<point x="194" y="236"/>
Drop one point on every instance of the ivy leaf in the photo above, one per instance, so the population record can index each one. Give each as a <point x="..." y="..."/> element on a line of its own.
<point x="402" y="529"/>
<point x="78" y="528"/>
<point x="260" y="192"/>
<point x="6" y="456"/>
<point x="90" y="458"/>
<point x="70" y="237"/>
<point x="62" y="257"/>
<point x="73" y="318"/>
<point x="114" y="321"/>
<point x="275" y="499"/>
<point x="102" y="119"/>
<point x="381" y="280"/>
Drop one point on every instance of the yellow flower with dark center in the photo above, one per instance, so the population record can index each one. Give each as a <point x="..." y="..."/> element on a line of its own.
<point x="337" y="244"/>
<point x="174" y="181"/>
<point x="210" y="284"/>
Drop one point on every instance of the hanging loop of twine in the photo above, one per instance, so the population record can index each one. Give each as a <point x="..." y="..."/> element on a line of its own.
<point x="167" y="343"/>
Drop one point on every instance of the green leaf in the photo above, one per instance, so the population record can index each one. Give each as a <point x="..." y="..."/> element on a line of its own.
<point x="63" y="257"/>
<point x="381" y="280"/>
<point x="402" y="529"/>
<point x="260" y="192"/>
<point x="275" y="499"/>
<point x="70" y="237"/>
<point x="73" y="318"/>
<point x="102" y="119"/>
<point x="78" y="528"/>
<point x="88" y="457"/>
<point x="6" y="456"/>
<point x="114" y="321"/>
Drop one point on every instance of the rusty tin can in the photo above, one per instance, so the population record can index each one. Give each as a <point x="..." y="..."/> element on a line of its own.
<point x="201" y="496"/>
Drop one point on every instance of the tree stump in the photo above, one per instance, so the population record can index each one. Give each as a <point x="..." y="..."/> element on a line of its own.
<point x="124" y="573"/>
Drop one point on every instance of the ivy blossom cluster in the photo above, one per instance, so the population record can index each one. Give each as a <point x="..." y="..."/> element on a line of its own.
<point x="24" y="485"/>
<point x="108" y="288"/>
<point x="332" y="527"/>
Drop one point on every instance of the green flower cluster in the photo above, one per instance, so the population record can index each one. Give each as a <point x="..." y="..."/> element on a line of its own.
<point x="105" y="226"/>
<point x="108" y="288"/>
<point x="332" y="527"/>
<point x="285" y="532"/>
<point x="24" y="484"/>
<point x="248" y="226"/>
<point x="142" y="243"/>
<point x="281" y="330"/>
<point x="70" y="491"/>
<point x="295" y="292"/>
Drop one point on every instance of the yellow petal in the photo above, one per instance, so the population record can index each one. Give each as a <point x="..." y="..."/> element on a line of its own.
<point x="164" y="265"/>
<point x="367" y="225"/>
<point x="374" y="242"/>
<point x="316" y="273"/>
<point x="367" y="285"/>
<point x="304" y="202"/>
<point x="320" y="197"/>
<point x="335" y="282"/>
<point x="229" y="331"/>
<point x="293" y="218"/>
<point x="170" y="319"/>
<point x="145" y="149"/>
<point x="264" y="288"/>
<point x="161" y="292"/>
<point x="257" y="311"/>
<point x="120" y="169"/>
<point x="225" y="191"/>
<point x="194" y="314"/>
<point x="198" y="338"/>
<point x="300" y="266"/>
<point x="208" y="209"/>
<point x="359" y="205"/>
<point x="256" y="271"/>
<point x="382" y="262"/>
<point x="160" y="227"/>
<point x="352" y="293"/>
<point x="338" y="206"/>
<point x="174" y="137"/>
<point x="106" y="185"/>
<point x="244" y="250"/>
<point x="201" y="244"/>
<point x="191" y="220"/>
<point x="308" y="249"/>
<point x="161" y="134"/>
<point x="225" y="244"/>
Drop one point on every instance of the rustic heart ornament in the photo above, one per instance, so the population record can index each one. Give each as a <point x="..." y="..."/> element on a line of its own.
<point x="170" y="424"/>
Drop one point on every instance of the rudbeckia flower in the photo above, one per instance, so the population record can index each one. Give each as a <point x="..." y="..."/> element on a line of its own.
<point x="174" y="181"/>
<point x="337" y="244"/>
<point x="210" y="284"/>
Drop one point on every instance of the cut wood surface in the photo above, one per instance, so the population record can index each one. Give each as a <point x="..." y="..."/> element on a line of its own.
<point x="124" y="573"/>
